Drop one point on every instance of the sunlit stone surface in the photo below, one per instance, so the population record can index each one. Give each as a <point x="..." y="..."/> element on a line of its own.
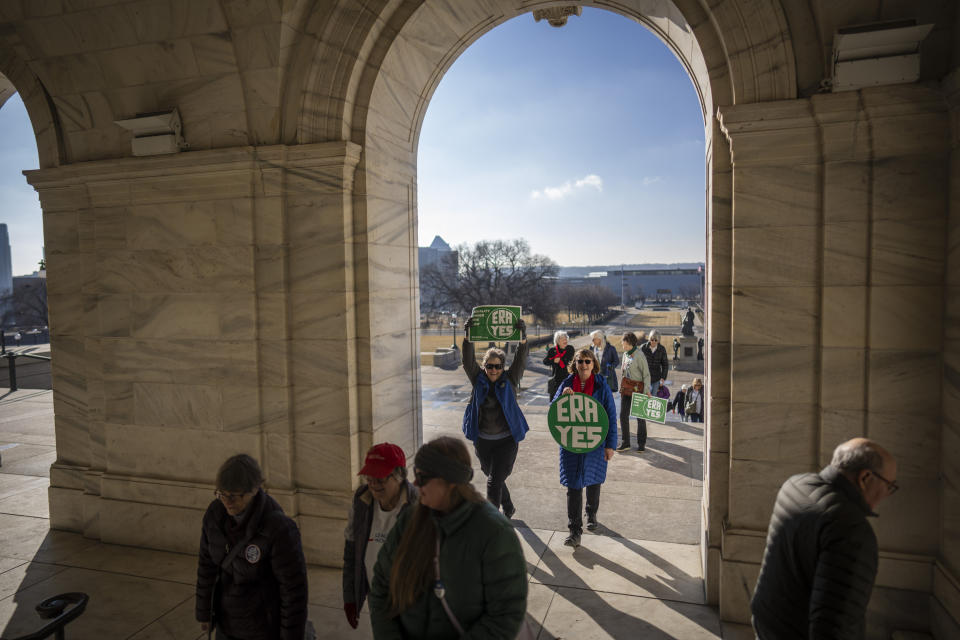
<point x="257" y="292"/>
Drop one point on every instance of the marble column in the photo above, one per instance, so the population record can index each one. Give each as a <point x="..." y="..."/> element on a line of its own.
<point x="946" y="575"/>
<point x="203" y="304"/>
<point x="838" y="221"/>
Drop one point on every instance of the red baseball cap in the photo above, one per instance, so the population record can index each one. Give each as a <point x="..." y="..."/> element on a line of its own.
<point x="382" y="459"/>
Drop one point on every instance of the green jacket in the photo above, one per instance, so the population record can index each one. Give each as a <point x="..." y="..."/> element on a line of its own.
<point x="484" y="572"/>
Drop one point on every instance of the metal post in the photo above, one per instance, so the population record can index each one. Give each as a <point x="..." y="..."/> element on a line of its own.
<point x="12" y="368"/>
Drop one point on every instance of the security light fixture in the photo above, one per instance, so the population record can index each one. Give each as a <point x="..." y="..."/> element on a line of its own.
<point x="155" y="133"/>
<point x="877" y="54"/>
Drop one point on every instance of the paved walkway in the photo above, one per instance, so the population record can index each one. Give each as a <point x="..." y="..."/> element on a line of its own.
<point x="639" y="576"/>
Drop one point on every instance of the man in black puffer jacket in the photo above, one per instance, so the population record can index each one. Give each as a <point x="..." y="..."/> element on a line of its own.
<point x="252" y="577"/>
<point x="821" y="557"/>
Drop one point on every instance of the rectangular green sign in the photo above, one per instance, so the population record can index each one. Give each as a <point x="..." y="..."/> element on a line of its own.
<point x="494" y="323"/>
<point x="648" y="408"/>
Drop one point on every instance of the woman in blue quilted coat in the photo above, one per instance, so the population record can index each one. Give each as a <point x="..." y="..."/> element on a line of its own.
<point x="579" y="470"/>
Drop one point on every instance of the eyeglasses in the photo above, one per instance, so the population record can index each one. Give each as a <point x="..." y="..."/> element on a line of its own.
<point x="587" y="361"/>
<point x="490" y="366"/>
<point x="229" y="497"/>
<point x="421" y="477"/>
<point x="653" y="340"/>
<point x="892" y="487"/>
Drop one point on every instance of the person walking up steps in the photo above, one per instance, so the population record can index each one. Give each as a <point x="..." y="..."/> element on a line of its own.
<point x="586" y="470"/>
<point x="634" y="378"/>
<point x="493" y="421"/>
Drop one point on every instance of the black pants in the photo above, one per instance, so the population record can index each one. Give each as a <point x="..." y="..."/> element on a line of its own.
<point x="496" y="460"/>
<point x="552" y="385"/>
<point x="625" y="424"/>
<point x="695" y="417"/>
<point x="575" y="506"/>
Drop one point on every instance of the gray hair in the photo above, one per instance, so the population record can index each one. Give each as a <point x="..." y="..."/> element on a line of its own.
<point x="855" y="456"/>
<point x="494" y="352"/>
<point x="559" y="334"/>
<point x="654" y="335"/>
<point x="596" y="333"/>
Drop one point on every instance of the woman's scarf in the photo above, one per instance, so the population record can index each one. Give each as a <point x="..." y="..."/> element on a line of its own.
<point x="586" y="387"/>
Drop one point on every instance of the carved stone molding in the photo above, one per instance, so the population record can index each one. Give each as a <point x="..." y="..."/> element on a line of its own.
<point x="556" y="16"/>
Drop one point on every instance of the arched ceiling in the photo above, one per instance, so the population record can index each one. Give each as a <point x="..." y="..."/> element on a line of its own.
<point x="256" y="72"/>
<point x="814" y="22"/>
<point x="6" y="90"/>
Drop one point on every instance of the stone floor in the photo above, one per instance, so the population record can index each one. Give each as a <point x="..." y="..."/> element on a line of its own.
<point x="638" y="576"/>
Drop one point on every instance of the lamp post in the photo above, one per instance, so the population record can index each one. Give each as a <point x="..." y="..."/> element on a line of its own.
<point x="453" y="323"/>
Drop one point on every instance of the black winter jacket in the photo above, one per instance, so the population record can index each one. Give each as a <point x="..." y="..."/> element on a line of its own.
<point x="657" y="361"/>
<point x="262" y="593"/>
<point x="820" y="562"/>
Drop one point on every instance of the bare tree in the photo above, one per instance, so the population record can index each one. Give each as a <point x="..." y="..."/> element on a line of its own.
<point x="591" y="300"/>
<point x="25" y="306"/>
<point x="496" y="272"/>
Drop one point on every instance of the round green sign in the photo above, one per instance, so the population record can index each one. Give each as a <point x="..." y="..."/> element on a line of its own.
<point x="578" y="422"/>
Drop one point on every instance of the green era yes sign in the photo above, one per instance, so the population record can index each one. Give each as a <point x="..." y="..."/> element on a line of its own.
<point x="577" y="422"/>
<point x="648" y="408"/>
<point x="494" y="322"/>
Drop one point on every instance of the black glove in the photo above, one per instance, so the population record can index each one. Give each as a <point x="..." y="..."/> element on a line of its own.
<point x="520" y="324"/>
<point x="468" y="323"/>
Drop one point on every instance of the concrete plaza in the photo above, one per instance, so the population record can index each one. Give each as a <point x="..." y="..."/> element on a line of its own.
<point x="639" y="575"/>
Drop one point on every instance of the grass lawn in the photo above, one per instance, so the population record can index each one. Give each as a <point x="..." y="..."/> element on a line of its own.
<point x="651" y="319"/>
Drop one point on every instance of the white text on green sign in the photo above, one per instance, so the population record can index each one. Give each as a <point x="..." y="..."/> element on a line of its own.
<point x="648" y="408"/>
<point x="494" y="322"/>
<point x="578" y="422"/>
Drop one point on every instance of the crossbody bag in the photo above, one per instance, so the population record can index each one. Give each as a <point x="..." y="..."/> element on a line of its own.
<point x="526" y="631"/>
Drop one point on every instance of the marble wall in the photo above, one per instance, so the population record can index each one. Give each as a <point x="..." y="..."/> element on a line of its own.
<point x="839" y="220"/>
<point x="203" y="305"/>
<point x="197" y="301"/>
<point x="946" y="579"/>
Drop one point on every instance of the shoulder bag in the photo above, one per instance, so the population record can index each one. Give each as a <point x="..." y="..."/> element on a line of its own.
<point x="525" y="632"/>
<point x="629" y="387"/>
<point x="690" y="406"/>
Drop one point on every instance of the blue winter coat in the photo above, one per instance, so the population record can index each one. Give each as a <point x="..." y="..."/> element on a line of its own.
<point x="503" y="390"/>
<point x="579" y="470"/>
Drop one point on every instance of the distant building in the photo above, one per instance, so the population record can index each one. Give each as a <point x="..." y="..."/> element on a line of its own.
<point x="6" y="266"/>
<point x="6" y="275"/>
<point x="638" y="283"/>
<point x="440" y="254"/>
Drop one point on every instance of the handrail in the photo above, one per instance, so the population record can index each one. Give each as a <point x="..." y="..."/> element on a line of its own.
<point x="11" y="354"/>
<point x="55" y="610"/>
<point x="12" y="364"/>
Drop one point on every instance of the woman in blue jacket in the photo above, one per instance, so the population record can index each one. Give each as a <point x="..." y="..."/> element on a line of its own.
<point x="579" y="470"/>
<point x="493" y="421"/>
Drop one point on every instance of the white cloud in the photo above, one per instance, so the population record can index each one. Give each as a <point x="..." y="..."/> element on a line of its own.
<point x="649" y="180"/>
<point x="567" y="188"/>
<point x="592" y="180"/>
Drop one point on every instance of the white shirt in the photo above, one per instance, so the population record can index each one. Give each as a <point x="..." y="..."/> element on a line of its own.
<point x="380" y="527"/>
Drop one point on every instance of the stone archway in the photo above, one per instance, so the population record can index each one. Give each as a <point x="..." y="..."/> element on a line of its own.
<point x="407" y="56"/>
<point x="822" y="214"/>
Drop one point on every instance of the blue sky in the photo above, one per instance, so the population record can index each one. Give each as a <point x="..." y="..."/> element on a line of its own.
<point x="571" y="138"/>
<point x="19" y="205"/>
